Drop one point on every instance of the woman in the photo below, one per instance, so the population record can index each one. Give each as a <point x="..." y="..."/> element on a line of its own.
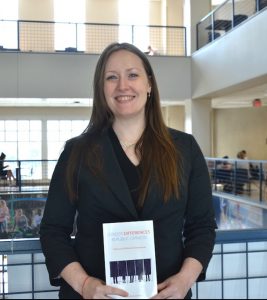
<point x="128" y="166"/>
<point x="4" y="216"/>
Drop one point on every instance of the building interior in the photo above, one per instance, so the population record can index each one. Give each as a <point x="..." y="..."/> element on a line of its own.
<point x="213" y="84"/>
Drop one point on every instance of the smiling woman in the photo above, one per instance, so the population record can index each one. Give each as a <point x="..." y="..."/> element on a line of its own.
<point x="126" y="86"/>
<point x="128" y="166"/>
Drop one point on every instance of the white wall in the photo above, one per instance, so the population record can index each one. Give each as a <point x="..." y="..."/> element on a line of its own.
<point x="56" y="75"/>
<point x="236" y="58"/>
<point x="240" y="128"/>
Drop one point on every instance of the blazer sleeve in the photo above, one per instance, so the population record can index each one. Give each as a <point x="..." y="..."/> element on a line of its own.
<point x="57" y="224"/>
<point x="199" y="228"/>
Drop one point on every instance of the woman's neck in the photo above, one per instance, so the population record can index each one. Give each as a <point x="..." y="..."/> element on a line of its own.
<point x="129" y="131"/>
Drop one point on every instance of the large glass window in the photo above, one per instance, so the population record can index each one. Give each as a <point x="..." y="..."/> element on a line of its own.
<point x="128" y="10"/>
<point x="8" y="24"/>
<point x="67" y="33"/>
<point x="21" y="139"/>
<point x="58" y="132"/>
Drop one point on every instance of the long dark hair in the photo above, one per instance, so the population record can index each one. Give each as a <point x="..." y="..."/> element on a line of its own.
<point x="159" y="156"/>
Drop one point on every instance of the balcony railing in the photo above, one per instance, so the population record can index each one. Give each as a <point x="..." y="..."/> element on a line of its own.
<point x="243" y="178"/>
<point x="237" y="269"/>
<point x="225" y="17"/>
<point x="44" y="36"/>
<point x="31" y="175"/>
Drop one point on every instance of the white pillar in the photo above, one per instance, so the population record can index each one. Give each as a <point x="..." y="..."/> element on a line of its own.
<point x="38" y="10"/>
<point x="198" y="113"/>
<point x="194" y="11"/>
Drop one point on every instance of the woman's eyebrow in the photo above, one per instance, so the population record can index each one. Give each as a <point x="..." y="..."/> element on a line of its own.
<point x="128" y="70"/>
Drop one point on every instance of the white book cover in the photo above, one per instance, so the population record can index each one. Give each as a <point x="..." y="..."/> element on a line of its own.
<point x="130" y="261"/>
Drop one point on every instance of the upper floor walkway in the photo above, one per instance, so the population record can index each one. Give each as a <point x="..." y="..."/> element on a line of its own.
<point x="226" y="65"/>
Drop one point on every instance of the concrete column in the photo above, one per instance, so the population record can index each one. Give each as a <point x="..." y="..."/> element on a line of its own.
<point x="198" y="113"/>
<point x="194" y="11"/>
<point x="38" y="10"/>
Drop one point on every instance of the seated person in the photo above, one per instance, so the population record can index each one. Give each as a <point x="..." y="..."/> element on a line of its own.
<point x="223" y="170"/>
<point x="150" y="51"/>
<point x="254" y="171"/>
<point x="5" y="173"/>
<point x="242" y="171"/>
<point x="21" y="221"/>
<point x="226" y="165"/>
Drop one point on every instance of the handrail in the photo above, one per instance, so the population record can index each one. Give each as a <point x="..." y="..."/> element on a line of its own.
<point x="96" y="38"/>
<point x="244" y="248"/>
<point x="39" y="172"/>
<point x="213" y="11"/>
<point x="239" y="177"/>
<point x="221" y="20"/>
<point x="32" y="245"/>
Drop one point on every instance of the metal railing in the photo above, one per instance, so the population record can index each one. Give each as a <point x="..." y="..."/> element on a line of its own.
<point x="44" y="36"/>
<point x="246" y="178"/>
<point x="237" y="269"/>
<point x="31" y="175"/>
<point x="242" y="184"/>
<point x="225" y="17"/>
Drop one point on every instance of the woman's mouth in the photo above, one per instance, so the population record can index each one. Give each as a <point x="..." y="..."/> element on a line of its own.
<point x="124" y="99"/>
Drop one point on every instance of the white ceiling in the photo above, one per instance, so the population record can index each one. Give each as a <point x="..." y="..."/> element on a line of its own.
<point x="242" y="98"/>
<point x="45" y="102"/>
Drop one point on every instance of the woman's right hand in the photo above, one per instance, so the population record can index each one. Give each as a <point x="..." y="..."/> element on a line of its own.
<point x="97" y="289"/>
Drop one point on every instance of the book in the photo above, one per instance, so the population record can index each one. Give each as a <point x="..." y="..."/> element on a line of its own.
<point x="130" y="262"/>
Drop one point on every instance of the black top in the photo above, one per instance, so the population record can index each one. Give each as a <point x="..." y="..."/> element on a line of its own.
<point x="183" y="227"/>
<point x="129" y="170"/>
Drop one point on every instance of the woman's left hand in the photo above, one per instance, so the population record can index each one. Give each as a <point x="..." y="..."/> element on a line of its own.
<point x="177" y="286"/>
<point x="174" y="287"/>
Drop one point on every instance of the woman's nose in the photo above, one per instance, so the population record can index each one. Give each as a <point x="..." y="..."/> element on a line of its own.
<point x="123" y="84"/>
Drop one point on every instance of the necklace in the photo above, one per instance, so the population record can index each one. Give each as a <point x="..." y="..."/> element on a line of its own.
<point x="127" y="145"/>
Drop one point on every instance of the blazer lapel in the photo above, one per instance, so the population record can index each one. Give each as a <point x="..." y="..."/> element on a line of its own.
<point x="115" y="178"/>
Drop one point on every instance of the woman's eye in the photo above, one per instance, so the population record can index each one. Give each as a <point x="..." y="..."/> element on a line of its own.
<point x="111" y="77"/>
<point x="133" y="75"/>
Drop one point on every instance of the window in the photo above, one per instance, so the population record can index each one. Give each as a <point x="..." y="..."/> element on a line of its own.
<point x="8" y="24"/>
<point x="58" y="132"/>
<point x="128" y="12"/>
<point x="67" y="32"/>
<point x="21" y="139"/>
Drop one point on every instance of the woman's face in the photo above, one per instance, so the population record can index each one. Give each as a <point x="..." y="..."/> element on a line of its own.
<point x="126" y="84"/>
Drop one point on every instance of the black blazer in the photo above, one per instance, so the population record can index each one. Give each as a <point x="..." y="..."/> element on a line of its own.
<point x="183" y="227"/>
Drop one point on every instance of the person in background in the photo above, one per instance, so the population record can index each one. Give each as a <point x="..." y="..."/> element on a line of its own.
<point x="37" y="218"/>
<point x="150" y="51"/>
<point x="21" y="221"/>
<point x="4" y="216"/>
<point x="224" y="164"/>
<point x="128" y="166"/>
<point x="242" y="172"/>
<point x="5" y="173"/>
<point x="243" y="156"/>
